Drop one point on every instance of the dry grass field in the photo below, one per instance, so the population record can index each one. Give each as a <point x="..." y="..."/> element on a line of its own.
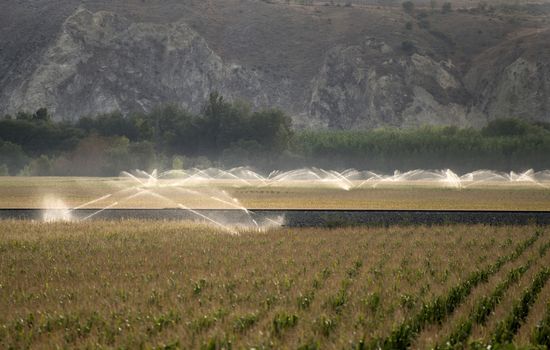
<point x="29" y="192"/>
<point x="170" y="285"/>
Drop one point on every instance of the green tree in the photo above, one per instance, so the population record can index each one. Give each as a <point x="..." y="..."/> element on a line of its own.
<point x="41" y="166"/>
<point x="4" y="171"/>
<point x="110" y="124"/>
<point x="506" y="127"/>
<point x="23" y="116"/>
<point x="41" y="115"/>
<point x="220" y="125"/>
<point x="243" y="152"/>
<point x="39" y="138"/>
<point x="272" y="129"/>
<point x="12" y="157"/>
<point x="178" y="162"/>
<point x="175" y="131"/>
<point x="230" y="128"/>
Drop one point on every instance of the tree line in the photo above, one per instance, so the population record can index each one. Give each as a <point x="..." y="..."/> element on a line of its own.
<point x="504" y="145"/>
<point x="227" y="134"/>
<point x="169" y="137"/>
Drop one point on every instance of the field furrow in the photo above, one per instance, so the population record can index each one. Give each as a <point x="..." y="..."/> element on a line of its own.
<point x="540" y="334"/>
<point x="475" y="310"/>
<point x="141" y="284"/>
<point x="495" y="329"/>
<point x="438" y="309"/>
<point x="506" y="329"/>
<point x="534" y="323"/>
<point x="536" y="326"/>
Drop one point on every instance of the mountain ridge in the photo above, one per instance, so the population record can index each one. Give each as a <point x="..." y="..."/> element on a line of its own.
<point x="327" y="67"/>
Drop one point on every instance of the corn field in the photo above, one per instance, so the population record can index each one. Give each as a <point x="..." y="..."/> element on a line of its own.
<point x="170" y="285"/>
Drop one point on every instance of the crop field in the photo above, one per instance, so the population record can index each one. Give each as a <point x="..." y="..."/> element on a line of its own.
<point x="21" y="192"/>
<point x="170" y="285"/>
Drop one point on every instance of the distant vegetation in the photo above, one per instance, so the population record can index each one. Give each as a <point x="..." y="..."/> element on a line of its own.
<point x="231" y="134"/>
<point x="505" y="144"/>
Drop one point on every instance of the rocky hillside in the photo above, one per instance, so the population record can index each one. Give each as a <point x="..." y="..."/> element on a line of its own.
<point x="327" y="66"/>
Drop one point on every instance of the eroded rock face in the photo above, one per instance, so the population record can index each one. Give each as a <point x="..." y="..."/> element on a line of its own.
<point x="102" y="62"/>
<point x="372" y="85"/>
<point x="513" y="80"/>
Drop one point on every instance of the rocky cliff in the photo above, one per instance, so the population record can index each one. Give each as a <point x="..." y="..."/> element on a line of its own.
<point x="513" y="78"/>
<point x="375" y="74"/>
<point x="102" y="62"/>
<point x="372" y="85"/>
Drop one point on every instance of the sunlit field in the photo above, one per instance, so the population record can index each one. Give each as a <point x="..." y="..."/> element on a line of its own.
<point x="22" y="192"/>
<point x="149" y="284"/>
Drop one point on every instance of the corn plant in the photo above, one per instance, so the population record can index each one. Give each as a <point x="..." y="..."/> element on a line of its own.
<point x="483" y="308"/>
<point x="541" y="333"/>
<point x="437" y="310"/>
<point x="506" y="329"/>
<point x="284" y="321"/>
